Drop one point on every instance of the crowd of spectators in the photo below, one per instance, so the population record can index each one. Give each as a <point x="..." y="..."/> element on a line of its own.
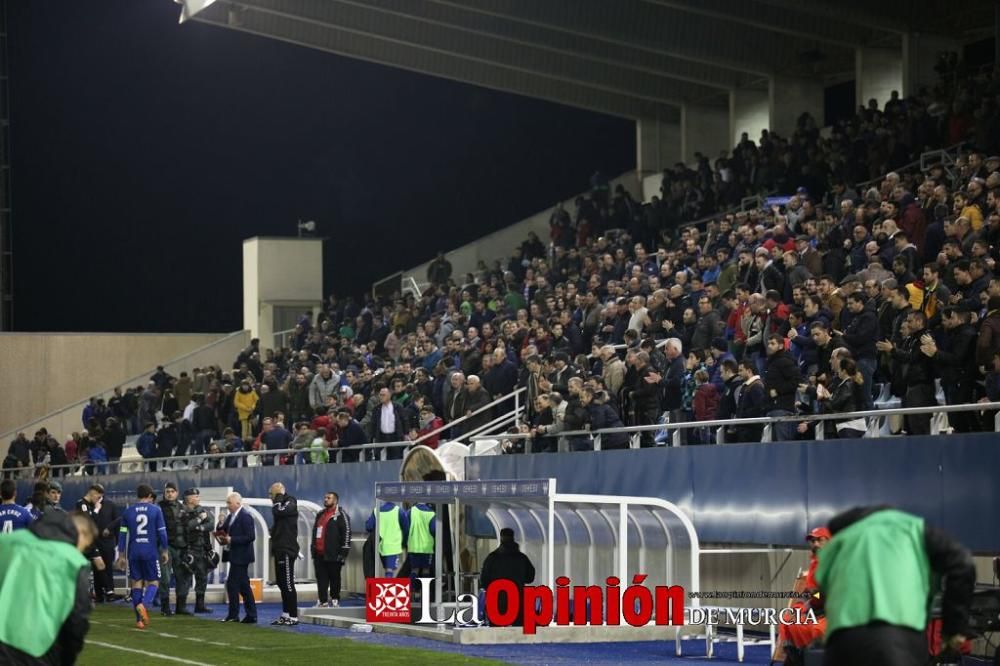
<point x="961" y="107"/>
<point x="816" y="303"/>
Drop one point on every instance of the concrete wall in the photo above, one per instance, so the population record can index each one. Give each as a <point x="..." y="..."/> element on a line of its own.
<point x="790" y="97"/>
<point x="500" y="244"/>
<point x="268" y="280"/>
<point x="878" y="73"/>
<point x="705" y="130"/>
<point x="920" y="54"/>
<point x="658" y="145"/>
<point x="750" y="112"/>
<point x="46" y="378"/>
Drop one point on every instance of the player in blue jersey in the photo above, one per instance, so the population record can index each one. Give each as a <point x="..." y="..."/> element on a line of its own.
<point x="145" y="533"/>
<point x="12" y="516"/>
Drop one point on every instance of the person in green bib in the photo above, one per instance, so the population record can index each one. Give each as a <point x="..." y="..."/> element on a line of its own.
<point x="45" y="589"/>
<point x="878" y="575"/>
<point x="393" y="526"/>
<point x="420" y="540"/>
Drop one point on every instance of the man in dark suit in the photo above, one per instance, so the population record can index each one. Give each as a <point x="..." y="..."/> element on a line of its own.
<point x="238" y="536"/>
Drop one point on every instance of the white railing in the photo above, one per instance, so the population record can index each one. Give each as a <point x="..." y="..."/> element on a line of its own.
<point x="283" y="339"/>
<point x="67" y="419"/>
<point x="871" y="417"/>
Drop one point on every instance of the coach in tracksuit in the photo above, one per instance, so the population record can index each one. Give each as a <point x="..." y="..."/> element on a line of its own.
<point x="331" y="543"/>
<point x="285" y="550"/>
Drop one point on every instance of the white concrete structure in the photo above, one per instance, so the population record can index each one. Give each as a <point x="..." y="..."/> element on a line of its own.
<point x="282" y="278"/>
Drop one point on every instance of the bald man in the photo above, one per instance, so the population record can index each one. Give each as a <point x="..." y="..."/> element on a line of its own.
<point x="285" y="550"/>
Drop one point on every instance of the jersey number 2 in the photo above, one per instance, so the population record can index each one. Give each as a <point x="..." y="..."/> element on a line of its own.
<point x="140" y="524"/>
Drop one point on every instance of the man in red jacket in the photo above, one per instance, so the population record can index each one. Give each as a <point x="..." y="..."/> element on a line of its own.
<point x="795" y="638"/>
<point x="331" y="543"/>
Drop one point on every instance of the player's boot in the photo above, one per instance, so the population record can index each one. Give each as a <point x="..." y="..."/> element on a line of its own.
<point x="143" y="614"/>
<point x="199" y="604"/>
<point x="140" y="624"/>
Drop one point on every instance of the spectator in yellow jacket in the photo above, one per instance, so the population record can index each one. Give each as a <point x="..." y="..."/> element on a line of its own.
<point x="245" y="402"/>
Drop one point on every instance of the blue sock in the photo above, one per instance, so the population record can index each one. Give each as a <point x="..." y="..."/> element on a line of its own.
<point x="136" y="596"/>
<point x="150" y="594"/>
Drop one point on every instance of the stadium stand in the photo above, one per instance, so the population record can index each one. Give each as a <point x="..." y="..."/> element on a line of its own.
<point x="842" y="294"/>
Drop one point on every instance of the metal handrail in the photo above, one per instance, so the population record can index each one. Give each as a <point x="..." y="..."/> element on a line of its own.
<point x="280" y="337"/>
<point x="739" y="208"/>
<point x="142" y="377"/>
<point x="387" y="278"/>
<point x="919" y="162"/>
<point x="451" y="424"/>
<point x="765" y="420"/>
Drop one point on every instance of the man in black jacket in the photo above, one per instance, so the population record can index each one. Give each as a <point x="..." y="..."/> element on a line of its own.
<point x="860" y="335"/>
<point x="955" y="359"/>
<point x="285" y="550"/>
<point x="507" y="563"/>
<point x="576" y="417"/>
<point x="918" y="375"/>
<point x="643" y="394"/>
<point x="331" y="544"/>
<point x="782" y="381"/>
<point x="751" y="402"/>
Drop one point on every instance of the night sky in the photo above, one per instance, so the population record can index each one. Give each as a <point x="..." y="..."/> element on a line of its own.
<point x="144" y="152"/>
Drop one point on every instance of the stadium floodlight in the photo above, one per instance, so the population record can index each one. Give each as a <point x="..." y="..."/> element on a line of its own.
<point x="308" y="227"/>
<point x="191" y="7"/>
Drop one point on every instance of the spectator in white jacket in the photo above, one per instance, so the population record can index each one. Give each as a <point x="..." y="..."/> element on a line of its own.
<point x="325" y="384"/>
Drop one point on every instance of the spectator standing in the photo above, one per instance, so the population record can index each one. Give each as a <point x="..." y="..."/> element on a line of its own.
<point x="751" y="402"/>
<point x="782" y="382"/>
<point x="245" y="403"/>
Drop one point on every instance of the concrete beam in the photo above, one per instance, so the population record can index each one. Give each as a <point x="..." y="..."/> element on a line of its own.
<point x="398" y="26"/>
<point x="426" y="61"/>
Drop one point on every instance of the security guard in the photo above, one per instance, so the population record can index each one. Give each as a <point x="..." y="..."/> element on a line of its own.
<point x="199" y="556"/>
<point x="173" y="515"/>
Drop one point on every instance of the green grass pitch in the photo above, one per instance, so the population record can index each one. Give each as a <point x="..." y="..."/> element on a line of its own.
<point x="113" y="640"/>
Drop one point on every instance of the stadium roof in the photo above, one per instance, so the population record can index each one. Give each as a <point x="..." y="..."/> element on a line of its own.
<point x="630" y="58"/>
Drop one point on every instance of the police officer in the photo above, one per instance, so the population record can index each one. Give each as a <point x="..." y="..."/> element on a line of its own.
<point x="173" y="516"/>
<point x="198" y="557"/>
